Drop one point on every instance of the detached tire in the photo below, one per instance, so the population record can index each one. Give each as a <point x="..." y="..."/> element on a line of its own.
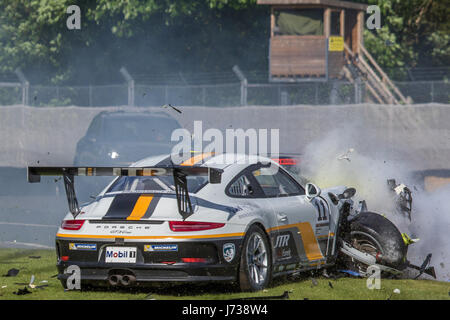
<point x="255" y="267"/>
<point x="374" y="234"/>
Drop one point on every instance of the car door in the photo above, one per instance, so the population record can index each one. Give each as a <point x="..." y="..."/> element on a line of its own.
<point x="249" y="197"/>
<point x="247" y="194"/>
<point x="297" y="217"/>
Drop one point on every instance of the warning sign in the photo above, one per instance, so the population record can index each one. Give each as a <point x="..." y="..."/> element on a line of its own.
<point x="336" y="44"/>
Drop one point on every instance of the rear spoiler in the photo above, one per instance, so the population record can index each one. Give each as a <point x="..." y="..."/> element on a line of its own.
<point x="179" y="174"/>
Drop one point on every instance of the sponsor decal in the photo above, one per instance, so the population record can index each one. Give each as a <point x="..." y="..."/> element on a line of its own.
<point x="120" y="254"/>
<point x="284" y="254"/>
<point x="282" y="241"/>
<point x="229" y="250"/>
<point x="83" y="246"/>
<point x="160" y="247"/>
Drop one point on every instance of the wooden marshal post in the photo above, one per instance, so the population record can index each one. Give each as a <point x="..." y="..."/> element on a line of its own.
<point x="322" y="40"/>
<point x="307" y="37"/>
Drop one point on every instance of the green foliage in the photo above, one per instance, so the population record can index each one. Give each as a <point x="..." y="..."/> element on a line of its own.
<point x="28" y="33"/>
<point x="439" y="42"/>
<point x="153" y="36"/>
<point x="413" y="33"/>
<point x="10" y="96"/>
<point x="343" y="289"/>
<point x="148" y="36"/>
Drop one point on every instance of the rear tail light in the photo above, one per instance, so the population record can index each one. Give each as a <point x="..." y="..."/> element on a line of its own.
<point x="180" y="226"/>
<point x="193" y="260"/>
<point x="286" y="161"/>
<point x="65" y="258"/>
<point x="72" y="224"/>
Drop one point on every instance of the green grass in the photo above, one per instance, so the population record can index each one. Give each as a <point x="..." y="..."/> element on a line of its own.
<point x="343" y="288"/>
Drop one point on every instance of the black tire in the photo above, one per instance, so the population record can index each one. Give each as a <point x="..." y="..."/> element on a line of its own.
<point x="245" y="275"/>
<point x="63" y="283"/>
<point x="373" y="232"/>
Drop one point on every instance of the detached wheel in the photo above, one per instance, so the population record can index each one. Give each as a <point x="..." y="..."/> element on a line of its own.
<point x="374" y="234"/>
<point x="255" y="268"/>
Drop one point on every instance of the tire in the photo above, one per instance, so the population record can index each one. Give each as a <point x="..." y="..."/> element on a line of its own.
<point x="63" y="283"/>
<point x="374" y="234"/>
<point x="255" y="266"/>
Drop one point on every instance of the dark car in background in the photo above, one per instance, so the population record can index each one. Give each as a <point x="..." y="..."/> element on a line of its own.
<point x="121" y="138"/>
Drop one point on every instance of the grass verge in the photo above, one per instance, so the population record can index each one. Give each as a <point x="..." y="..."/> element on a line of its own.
<point x="43" y="268"/>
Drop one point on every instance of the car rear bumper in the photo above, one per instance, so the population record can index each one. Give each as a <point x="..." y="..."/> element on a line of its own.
<point x="162" y="266"/>
<point x="154" y="274"/>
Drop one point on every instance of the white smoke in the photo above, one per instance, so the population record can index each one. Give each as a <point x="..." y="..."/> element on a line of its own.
<point x="336" y="160"/>
<point x="431" y="223"/>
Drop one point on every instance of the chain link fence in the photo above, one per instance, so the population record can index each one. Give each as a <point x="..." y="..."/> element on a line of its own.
<point x="10" y="94"/>
<point x="212" y="94"/>
<point x="426" y="91"/>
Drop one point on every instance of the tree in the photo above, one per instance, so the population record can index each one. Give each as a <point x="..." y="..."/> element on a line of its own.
<point x="147" y="36"/>
<point x="156" y="36"/>
<point x="413" y="33"/>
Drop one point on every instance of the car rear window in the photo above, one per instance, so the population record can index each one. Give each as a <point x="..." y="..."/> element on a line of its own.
<point x="155" y="184"/>
<point x="145" y="129"/>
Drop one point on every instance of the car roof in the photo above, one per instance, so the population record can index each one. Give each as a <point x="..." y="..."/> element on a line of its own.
<point x="134" y="114"/>
<point x="220" y="161"/>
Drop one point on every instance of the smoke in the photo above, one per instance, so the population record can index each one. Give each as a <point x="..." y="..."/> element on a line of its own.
<point x="348" y="157"/>
<point x="431" y="223"/>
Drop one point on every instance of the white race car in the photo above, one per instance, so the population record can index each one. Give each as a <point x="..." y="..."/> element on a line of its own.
<point x="243" y="221"/>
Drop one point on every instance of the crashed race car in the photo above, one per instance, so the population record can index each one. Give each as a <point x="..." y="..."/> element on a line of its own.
<point x="244" y="222"/>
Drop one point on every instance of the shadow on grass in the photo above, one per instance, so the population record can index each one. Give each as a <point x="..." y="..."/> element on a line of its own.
<point x="190" y="289"/>
<point x="168" y="289"/>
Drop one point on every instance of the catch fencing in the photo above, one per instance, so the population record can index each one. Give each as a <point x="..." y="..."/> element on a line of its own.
<point x="226" y="89"/>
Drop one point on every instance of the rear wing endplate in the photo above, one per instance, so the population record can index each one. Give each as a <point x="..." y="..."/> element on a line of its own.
<point x="179" y="174"/>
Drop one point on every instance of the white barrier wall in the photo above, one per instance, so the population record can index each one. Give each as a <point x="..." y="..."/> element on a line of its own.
<point x="419" y="133"/>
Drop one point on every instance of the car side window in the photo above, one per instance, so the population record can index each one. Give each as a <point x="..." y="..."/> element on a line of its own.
<point x="244" y="186"/>
<point x="240" y="187"/>
<point x="276" y="183"/>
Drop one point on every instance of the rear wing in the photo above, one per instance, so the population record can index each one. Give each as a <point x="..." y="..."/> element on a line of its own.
<point x="179" y="174"/>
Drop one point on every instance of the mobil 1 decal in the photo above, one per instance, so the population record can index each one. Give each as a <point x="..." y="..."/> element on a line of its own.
<point x="322" y="209"/>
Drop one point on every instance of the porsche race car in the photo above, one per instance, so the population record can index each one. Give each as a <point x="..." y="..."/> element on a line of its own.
<point x="202" y="219"/>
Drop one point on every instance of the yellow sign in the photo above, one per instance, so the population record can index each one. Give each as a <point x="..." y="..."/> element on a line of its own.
<point x="336" y="44"/>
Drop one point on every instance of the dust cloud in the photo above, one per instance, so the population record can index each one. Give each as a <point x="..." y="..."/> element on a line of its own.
<point x="336" y="160"/>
